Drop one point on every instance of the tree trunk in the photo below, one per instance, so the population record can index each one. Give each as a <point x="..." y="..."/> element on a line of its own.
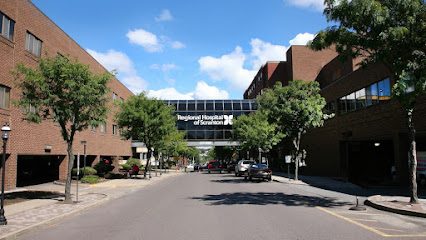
<point x="413" y="157"/>
<point x="148" y="162"/>
<point x="69" y="170"/>
<point x="296" y="143"/>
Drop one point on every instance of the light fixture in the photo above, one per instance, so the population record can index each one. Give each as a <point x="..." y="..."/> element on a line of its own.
<point x="376" y="144"/>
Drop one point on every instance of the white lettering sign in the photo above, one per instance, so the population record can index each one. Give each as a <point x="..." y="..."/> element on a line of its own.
<point x="207" y="120"/>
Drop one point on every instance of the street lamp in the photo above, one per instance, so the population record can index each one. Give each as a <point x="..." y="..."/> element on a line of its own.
<point x="84" y="166"/>
<point x="5" y="129"/>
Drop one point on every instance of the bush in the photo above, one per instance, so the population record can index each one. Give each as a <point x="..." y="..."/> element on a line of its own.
<point x="103" y="168"/>
<point x="90" y="179"/>
<point x="132" y="161"/>
<point x="89" y="171"/>
<point x="126" y="167"/>
<point x="114" y="176"/>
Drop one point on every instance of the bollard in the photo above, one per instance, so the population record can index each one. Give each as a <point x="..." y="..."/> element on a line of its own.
<point x="357" y="206"/>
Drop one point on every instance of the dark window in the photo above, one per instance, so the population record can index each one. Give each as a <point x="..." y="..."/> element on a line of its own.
<point x="209" y="106"/>
<point x="4" y="97"/>
<point x="350" y="102"/>
<point x="191" y="106"/>
<point x="228" y="134"/>
<point x="237" y="105"/>
<point x="228" y="106"/>
<point x="200" y="135"/>
<point x="7" y="26"/>
<point x="218" y="134"/>
<point x="33" y="44"/>
<point x="182" y="106"/>
<point x="218" y="105"/>
<point x="210" y="135"/>
<point x="372" y="96"/>
<point x="246" y="106"/>
<point x="253" y="106"/>
<point x="360" y="98"/>
<point x="191" y="134"/>
<point x="200" y="106"/>
<point x="342" y="105"/>
<point x="181" y="125"/>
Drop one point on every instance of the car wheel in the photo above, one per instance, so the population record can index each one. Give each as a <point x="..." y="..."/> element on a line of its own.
<point x="245" y="177"/>
<point x="209" y="171"/>
<point x="236" y="174"/>
<point x="251" y="179"/>
<point x="269" y="179"/>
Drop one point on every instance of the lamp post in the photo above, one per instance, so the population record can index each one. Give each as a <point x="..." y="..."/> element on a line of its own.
<point x="5" y="129"/>
<point x="84" y="166"/>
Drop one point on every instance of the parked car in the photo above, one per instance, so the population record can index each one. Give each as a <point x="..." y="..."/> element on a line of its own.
<point x="231" y="166"/>
<point x="259" y="171"/>
<point x="190" y="168"/>
<point x="242" y="167"/>
<point x="214" y="166"/>
<point x="197" y="167"/>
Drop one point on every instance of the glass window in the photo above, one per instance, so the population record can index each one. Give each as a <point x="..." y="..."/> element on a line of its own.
<point x="342" y="105"/>
<point x="228" y="106"/>
<point x="209" y="106"/>
<point x="33" y="44"/>
<point x="371" y="93"/>
<point x="174" y="104"/>
<point x="92" y="127"/>
<point x="218" y="134"/>
<point x="218" y="105"/>
<point x="329" y="108"/>
<point x="181" y="125"/>
<point x="253" y="106"/>
<point x="114" y="97"/>
<point x="246" y="106"/>
<point x="384" y="90"/>
<point x="4" y="97"/>
<point x="7" y="26"/>
<point x="200" y="106"/>
<point x="103" y="127"/>
<point x="350" y="102"/>
<point x="114" y="129"/>
<point x="201" y="135"/>
<point x="237" y="105"/>
<point x="191" y="106"/>
<point x="182" y="106"/>
<point x="121" y="100"/>
<point x="228" y="134"/>
<point x="192" y="134"/>
<point x="210" y="135"/>
<point x="360" y="99"/>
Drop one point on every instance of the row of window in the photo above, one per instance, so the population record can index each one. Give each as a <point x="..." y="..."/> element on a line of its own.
<point x="104" y="129"/>
<point x="213" y="105"/>
<point x="209" y="135"/>
<point x="115" y="98"/>
<point x="373" y="94"/>
<point x="7" y="27"/>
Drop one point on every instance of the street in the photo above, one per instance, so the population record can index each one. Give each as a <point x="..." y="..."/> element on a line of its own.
<point x="222" y="206"/>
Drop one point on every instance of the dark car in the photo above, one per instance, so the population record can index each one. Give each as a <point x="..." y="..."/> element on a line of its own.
<point x="259" y="171"/>
<point x="214" y="166"/>
<point x="231" y="166"/>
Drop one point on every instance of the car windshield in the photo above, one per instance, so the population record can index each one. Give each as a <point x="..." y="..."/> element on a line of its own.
<point x="248" y="162"/>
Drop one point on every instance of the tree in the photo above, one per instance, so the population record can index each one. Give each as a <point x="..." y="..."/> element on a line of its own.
<point x="294" y="109"/>
<point x="255" y="132"/>
<point x="67" y="92"/>
<point x="148" y="120"/>
<point x="391" y="32"/>
<point x="172" y="143"/>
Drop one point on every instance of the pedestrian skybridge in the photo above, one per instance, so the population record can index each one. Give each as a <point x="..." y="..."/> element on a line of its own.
<point x="209" y="122"/>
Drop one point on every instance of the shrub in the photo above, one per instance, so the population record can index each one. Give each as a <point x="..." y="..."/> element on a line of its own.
<point x="90" y="179"/>
<point x="126" y="167"/>
<point x="103" y="168"/>
<point x="132" y="161"/>
<point x="89" y="171"/>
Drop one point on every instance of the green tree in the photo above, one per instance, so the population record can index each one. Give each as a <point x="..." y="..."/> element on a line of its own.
<point x="254" y="132"/>
<point x="172" y="143"/>
<point x="392" y="32"/>
<point x="67" y="92"/>
<point x="294" y="109"/>
<point x="148" y="120"/>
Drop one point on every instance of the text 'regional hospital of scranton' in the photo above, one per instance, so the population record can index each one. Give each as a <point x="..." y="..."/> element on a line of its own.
<point x="209" y="120"/>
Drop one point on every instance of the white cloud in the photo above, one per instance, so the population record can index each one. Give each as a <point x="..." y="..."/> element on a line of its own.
<point x="204" y="91"/>
<point x="302" y="39"/>
<point x="317" y="5"/>
<point x="163" y="67"/>
<point x="147" y="40"/>
<point x="264" y="51"/>
<point x="170" y="94"/>
<point x="164" y="16"/>
<point x="114" y="60"/>
<point x="228" y="67"/>
<point x="177" y="45"/>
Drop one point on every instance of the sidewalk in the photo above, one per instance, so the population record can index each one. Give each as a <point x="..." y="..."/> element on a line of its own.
<point x="38" y="213"/>
<point x="393" y="201"/>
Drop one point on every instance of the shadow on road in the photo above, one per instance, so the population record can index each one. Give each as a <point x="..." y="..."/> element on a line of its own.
<point x="270" y="199"/>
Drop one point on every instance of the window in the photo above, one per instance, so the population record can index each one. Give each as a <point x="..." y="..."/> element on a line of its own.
<point x="103" y="128"/>
<point x="4" y="97"/>
<point x="120" y="131"/>
<point x="33" y="44"/>
<point x="92" y="127"/>
<point x="114" y="129"/>
<point x="114" y="97"/>
<point x="371" y="92"/>
<point x="7" y="26"/>
<point x="384" y="89"/>
<point x="329" y="108"/>
<point x="121" y="100"/>
<point x="360" y="98"/>
<point x="342" y="105"/>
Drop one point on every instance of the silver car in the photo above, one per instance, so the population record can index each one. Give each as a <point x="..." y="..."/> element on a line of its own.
<point x="242" y="167"/>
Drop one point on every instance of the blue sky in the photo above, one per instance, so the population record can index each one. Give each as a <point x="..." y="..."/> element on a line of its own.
<point x="187" y="49"/>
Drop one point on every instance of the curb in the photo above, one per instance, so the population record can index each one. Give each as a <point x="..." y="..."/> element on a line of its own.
<point x="371" y="201"/>
<point x="45" y="223"/>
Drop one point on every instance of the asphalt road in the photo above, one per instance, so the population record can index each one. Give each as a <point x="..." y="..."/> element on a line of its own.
<point x="222" y="206"/>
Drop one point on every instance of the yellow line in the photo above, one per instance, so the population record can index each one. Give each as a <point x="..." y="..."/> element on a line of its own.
<point x="367" y="227"/>
<point x="365" y="220"/>
<point x="354" y="222"/>
<point x="366" y="214"/>
<point x="390" y="229"/>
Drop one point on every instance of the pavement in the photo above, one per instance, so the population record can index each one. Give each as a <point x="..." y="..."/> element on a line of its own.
<point x="24" y="217"/>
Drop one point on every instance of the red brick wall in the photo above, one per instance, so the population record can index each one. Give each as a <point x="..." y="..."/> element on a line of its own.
<point x="30" y="138"/>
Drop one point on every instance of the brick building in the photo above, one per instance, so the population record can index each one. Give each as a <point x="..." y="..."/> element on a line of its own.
<point x="368" y="134"/>
<point x="36" y="152"/>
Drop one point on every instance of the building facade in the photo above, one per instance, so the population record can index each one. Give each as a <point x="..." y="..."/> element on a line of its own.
<point x="365" y="137"/>
<point x="36" y="152"/>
